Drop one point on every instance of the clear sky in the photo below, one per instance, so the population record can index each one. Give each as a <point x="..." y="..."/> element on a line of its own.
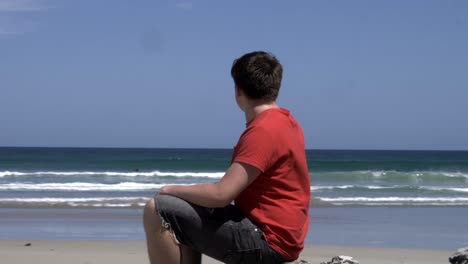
<point x="110" y="73"/>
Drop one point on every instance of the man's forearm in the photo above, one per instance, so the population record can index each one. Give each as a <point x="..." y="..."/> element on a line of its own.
<point x="207" y="195"/>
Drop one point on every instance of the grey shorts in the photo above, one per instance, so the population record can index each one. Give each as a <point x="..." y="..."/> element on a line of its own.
<point x="224" y="234"/>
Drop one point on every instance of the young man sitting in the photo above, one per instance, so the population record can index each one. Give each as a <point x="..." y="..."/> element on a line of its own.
<point x="267" y="179"/>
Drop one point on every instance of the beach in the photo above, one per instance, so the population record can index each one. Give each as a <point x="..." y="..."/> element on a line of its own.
<point x="123" y="252"/>
<point x="76" y="205"/>
<point x="368" y="234"/>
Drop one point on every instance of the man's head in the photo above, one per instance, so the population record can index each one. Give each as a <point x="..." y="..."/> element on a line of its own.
<point x="258" y="75"/>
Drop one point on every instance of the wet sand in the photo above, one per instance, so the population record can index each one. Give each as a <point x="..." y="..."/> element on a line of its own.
<point x="134" y="251"/>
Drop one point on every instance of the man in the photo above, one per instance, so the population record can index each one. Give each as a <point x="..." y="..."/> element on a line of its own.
<point x="267" y="180"/>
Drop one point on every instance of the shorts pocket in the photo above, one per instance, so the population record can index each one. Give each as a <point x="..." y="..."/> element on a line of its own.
<point x="245" y="247"/>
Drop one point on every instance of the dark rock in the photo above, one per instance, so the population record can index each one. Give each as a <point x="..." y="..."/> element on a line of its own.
<point x="342" y="260"/>
<point x="460" y="257"/>
<point x="27" y="244"/>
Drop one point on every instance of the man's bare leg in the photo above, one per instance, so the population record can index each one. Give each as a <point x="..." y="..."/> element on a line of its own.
<point x="162" y="247"/>
<point x="190" y="256"/>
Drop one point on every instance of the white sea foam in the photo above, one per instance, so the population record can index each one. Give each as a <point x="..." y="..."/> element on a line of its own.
<point x="67" y="199"/>
<point x="106" y="204"/>
<point x="402" y="204"/>
<point x="135" y="186"/>
<point x="81" y="186"/>
<point x="454" y="174"/>
<point x="74" y="202"/>
<point x="444" y="200"/>
<point x="390" y="176"/>
<point x="459" y="189"/>
<point x="155" y="173"/>
<point x="381" y="175"/>
<point x="10" y="173"/>
<point x="375" y="187"/>
<point x="444" y="189"/>
<point x="378" y="173"/>
<point x="344" y="187"/>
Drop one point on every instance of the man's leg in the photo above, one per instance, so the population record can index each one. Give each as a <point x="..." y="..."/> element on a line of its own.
<point x="189" y="256"/>
<point x="162" y="248"/>
<point x="224" y="234"/>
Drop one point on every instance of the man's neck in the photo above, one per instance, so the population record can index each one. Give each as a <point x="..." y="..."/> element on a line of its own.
<point x="255" y="110"/>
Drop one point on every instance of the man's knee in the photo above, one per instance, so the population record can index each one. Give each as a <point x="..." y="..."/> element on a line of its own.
<point x="150" y="206"/>
<point x="150" y="215"/>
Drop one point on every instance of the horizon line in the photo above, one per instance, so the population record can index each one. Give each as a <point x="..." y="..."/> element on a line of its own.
<point x="221" y="148"/>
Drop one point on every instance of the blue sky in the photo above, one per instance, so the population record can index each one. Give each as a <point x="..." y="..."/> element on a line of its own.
<point x="357" y="74"/>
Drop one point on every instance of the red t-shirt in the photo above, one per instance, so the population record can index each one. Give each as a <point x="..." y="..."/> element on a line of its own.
<point x="278" y="200"/>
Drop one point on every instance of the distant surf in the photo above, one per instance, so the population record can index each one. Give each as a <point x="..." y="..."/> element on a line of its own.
<point x="68" y="177"/>
<point x="113" y="173"/>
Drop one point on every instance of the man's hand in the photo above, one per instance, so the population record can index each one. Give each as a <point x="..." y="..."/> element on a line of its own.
<point x="212" y="195"/>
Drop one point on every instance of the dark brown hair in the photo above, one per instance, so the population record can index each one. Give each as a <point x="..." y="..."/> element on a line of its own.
<point x="258" y="74"/>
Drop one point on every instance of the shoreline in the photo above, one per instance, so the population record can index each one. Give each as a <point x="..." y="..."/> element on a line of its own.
<point x="426" y="228"/>
<point x="134" y="251"/>
<point x="314" y="203"/>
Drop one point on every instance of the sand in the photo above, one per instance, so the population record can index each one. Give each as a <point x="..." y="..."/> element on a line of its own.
<point x="120" y="252"/>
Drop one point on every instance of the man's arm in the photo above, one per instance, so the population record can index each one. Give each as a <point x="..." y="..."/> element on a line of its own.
<point x="219" y="194"/>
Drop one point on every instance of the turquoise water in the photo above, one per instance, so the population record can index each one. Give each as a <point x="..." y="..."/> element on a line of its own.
<point x="407" y="199"/>
<point x="122" y="178"/>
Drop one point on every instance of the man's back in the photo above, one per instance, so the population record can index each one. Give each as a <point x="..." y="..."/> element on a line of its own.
<point x="278" y="200"/>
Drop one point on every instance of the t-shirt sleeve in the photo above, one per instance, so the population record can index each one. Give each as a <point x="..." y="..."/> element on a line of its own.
<point x="256" y="147"/>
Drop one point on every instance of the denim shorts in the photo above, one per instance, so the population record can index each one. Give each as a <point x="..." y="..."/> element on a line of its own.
<point x="224" y="234"/>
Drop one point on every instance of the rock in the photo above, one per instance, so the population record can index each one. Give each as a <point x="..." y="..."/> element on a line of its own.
<point x="460" y="257"/>
<point x="342" y="260"/>
<point x="27" y="244"/>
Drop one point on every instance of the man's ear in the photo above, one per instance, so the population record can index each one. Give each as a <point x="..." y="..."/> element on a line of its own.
<point x="238" y="91"/>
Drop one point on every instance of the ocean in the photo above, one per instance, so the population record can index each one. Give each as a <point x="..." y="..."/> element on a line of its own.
<point x="93" y="177"/>
<point x="406" y="199"/>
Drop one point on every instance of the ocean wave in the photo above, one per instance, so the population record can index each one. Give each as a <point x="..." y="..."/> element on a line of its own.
<point x="155" y="173"/>
<point x="72" y="199"/>
<point x="432" y="201"/>
<point x="398" y="188"/>
<point x="135" y="186"/>
<point x="139" y="202"/>
<point x="81" y="186"/>
<point x="344" y="187"/>
<point x="446" y="189"/>
<point x="107" y="205"/>
<point x="397" y="199"/>
<point x="455" y="174"/>
<point x="115" y="202"/>
<point x="390" y="176"/>
<point x="379" y="176"/>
